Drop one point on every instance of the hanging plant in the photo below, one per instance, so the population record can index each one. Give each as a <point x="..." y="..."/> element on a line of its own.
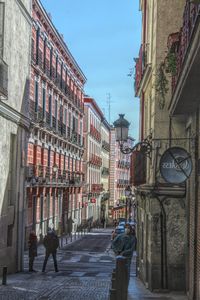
<point x="170" y="63"/>
<point x="161" y="84"/>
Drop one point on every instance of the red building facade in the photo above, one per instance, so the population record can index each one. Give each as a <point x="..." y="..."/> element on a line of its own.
<point x="93" y="160"/>
<point x="55" y="149"/>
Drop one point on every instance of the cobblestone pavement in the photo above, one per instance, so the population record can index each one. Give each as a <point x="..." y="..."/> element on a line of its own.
<point x="85" y="268"/>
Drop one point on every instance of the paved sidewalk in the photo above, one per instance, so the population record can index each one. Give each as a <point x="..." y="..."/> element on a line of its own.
<point x="137" y="291"/>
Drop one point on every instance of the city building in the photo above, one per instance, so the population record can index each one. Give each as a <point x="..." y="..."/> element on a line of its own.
<point x="55" y="149"/>
<point x="161" y="209"/>
<point x="184" y="47"/>
<point x="92" y="160"/>
<point x="105" y="171"/>
<point x="14" y="127"/>
<point x="119" y="177"/>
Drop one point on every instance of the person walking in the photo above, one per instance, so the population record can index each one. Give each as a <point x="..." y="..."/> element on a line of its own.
<point x="32" y="247"/>
<point x="124" y="244"/>
<point x="103" y="222"/>
<point x="51" y="243"/>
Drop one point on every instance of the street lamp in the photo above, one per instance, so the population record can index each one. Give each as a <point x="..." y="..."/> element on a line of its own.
<point x="55" y="168"/>
<point x="121" y="126"/>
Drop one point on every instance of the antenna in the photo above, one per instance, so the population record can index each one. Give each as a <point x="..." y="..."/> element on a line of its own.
<point x="108" y="102"/>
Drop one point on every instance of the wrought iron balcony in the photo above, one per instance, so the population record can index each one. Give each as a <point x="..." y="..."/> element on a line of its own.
<point x="105" y="171"/>
<point x="106" y="145"/>
<point x="182" y="40"/>
<point x="3" y="79"/>
<point x="140" y="67"/>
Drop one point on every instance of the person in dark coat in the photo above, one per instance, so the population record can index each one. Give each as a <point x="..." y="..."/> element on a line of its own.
<point x="103" y="222"/>
<point x="125" y="244"/>
<point x="51" y="243"/>
<point x="32" y="247"/>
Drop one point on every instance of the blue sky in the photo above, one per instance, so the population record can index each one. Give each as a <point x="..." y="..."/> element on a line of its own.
<point x="104" y="37"/>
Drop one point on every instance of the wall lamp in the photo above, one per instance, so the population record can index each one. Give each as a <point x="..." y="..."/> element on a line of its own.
<point x="121" y="126"/>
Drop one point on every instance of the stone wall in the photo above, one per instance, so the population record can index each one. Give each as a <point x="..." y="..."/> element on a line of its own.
<point x="13" y="121"/>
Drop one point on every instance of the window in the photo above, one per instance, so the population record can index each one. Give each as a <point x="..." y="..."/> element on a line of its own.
<point x="51" y="59"/>
<point x="61" y="113"/>
<point x="45" y="47"/>
<point x="2" y="15"/>
<point x="43" y="100"/>
<point x="50" y="109"/>
<point x="65" y="116"/>
<point x="37" y="45"/>
<point x="36" y="94"/>
<point x="69" y="120"/>
<point x="56" y="66"/>
<point x="64" y="162"/>
<point x="56" y="109"/>
<point x="49" y="156"/>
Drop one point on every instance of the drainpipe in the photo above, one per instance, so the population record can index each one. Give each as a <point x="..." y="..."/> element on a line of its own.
<point x="163" y="233"/>
<point x="196" y="206"/>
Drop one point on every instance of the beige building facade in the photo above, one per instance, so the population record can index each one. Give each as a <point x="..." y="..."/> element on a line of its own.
<point x="161" y="209"/>
<point x="105" y="171"/>
<point x="14" y="127"/>
<point x="184" y="110"/>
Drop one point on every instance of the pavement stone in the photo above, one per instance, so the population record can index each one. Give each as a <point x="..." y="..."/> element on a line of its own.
<point x="137" y="291"/>
<point x="74" y="281"/>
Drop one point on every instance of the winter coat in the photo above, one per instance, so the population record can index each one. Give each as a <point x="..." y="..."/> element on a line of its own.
<point x="51" y="242"/>
<point x="124" y="244"/>
<point x="32" y="245"/>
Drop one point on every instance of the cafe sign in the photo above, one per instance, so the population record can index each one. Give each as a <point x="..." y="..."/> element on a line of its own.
<point x="175" y="165"/>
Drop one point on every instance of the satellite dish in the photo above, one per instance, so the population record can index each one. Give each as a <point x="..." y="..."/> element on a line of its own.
<point x="175" y="165"/>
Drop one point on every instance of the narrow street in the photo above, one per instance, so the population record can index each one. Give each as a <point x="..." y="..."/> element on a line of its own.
<point x="85" y="269"/>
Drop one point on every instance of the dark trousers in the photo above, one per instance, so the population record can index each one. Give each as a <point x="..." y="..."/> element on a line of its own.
<point x="31" y="260"/>
<point x="54" y="260"/>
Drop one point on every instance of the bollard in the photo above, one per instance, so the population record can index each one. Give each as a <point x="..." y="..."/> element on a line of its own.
<point x="66" y="240"/>
<point x="84" y="231"/>
<point x="71" y="237"/>
<point x="78" y="234"/>
<point x="75" y="235"/>
<point x="121" y="278"/>
<point x="4" y="276"/>
<point x="61" y="242"/>
<point x="113" y="280"/>
<point x="113" y="294"/>
<point x="81" y="232"/>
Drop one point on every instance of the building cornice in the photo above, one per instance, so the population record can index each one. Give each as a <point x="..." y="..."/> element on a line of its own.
<point x="153" y="190"/>
<point x="14" y="116"/>
<point x="24" y="11"/>
<point x="92" y="102"/>
<point x="60" y="39"/>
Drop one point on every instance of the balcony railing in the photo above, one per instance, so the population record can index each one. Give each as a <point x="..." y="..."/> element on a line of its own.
<point x="44" y="175"/>
<point x="106" y="145"/>
<point x="180" y="42"/>
<point x="140" y="67"/>
<point x="122" y="182"/>
<point x="96" y="188"/>
<point x="96" y="160"/>
<point x="3" y="79"/>
<point x="95" y="133"/>
<point x="105" y="171"/>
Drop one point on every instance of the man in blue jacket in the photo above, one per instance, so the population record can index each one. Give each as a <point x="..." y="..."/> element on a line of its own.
<point x="124" y="244"/>
<point x="51" y="243"/>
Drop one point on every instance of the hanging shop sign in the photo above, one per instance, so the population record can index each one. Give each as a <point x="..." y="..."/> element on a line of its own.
<point x="175" y="165"/>
<point x="93" y="200"/>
